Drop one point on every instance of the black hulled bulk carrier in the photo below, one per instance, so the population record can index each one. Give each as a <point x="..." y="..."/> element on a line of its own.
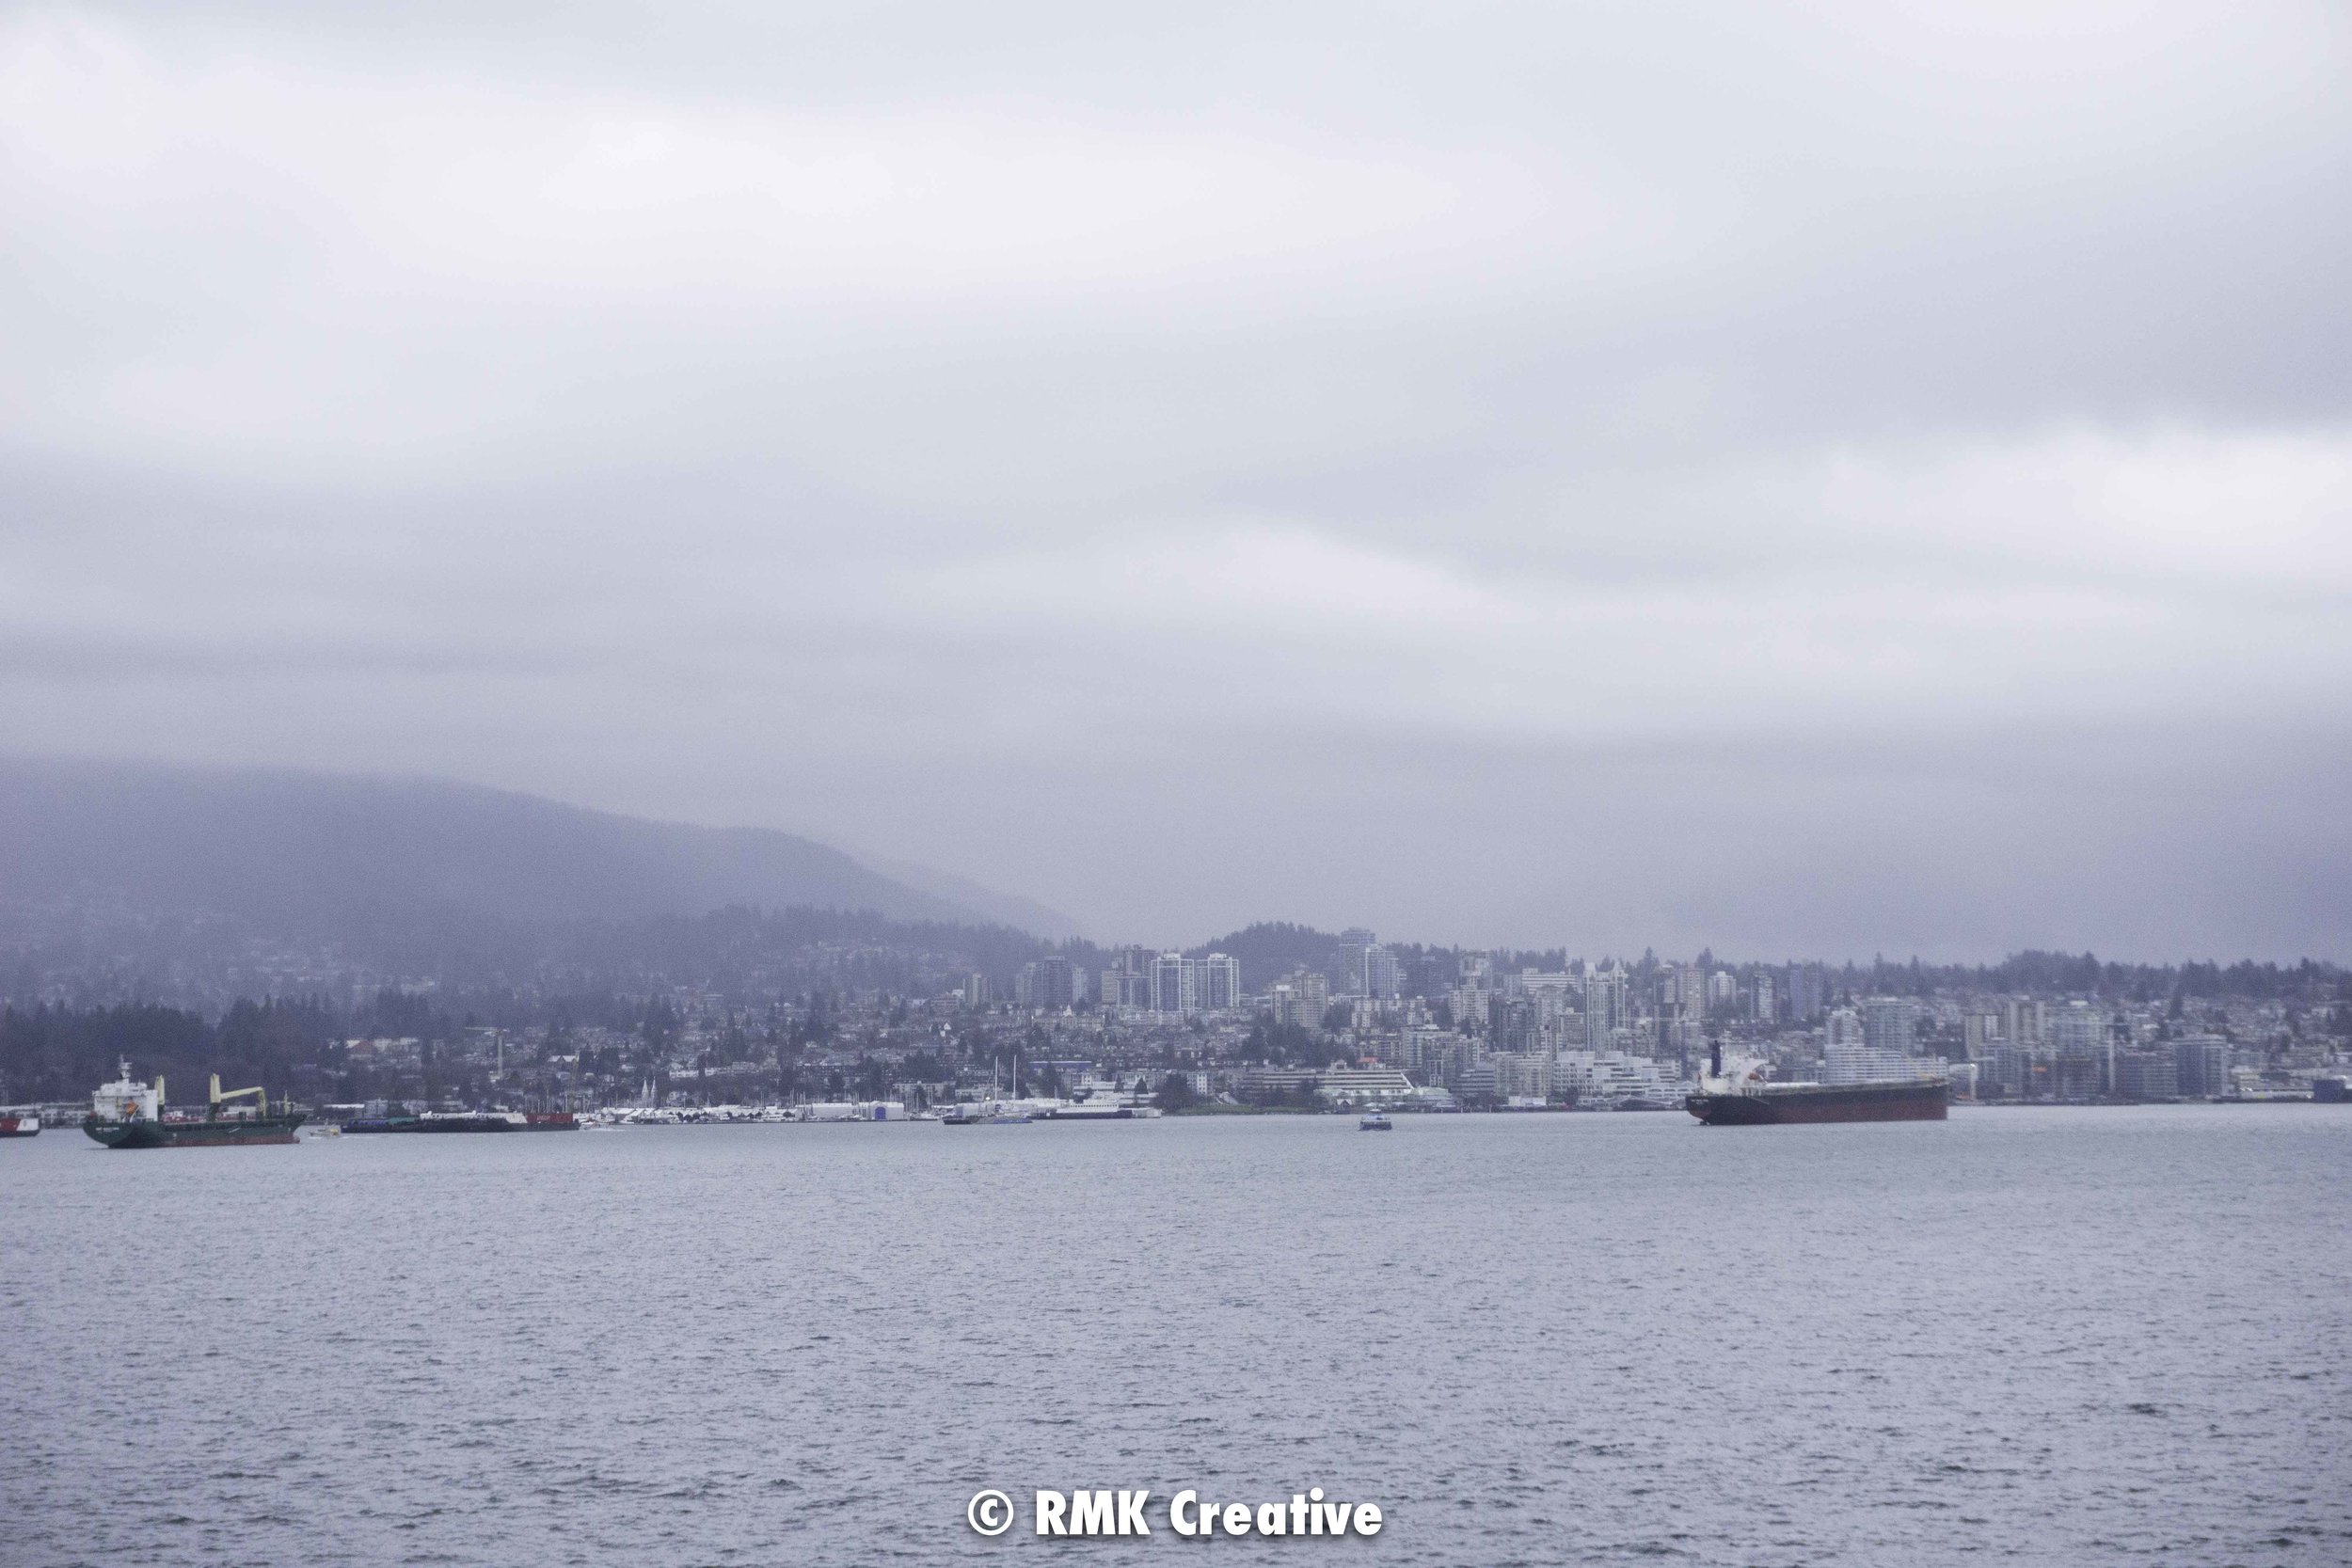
<point x="1746" y="1099"/>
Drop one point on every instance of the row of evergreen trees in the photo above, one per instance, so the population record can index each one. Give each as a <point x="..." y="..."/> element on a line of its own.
<point x="62" y="1054"/>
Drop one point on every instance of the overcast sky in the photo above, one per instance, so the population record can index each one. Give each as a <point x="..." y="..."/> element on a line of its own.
<point x="1821" y="479"/>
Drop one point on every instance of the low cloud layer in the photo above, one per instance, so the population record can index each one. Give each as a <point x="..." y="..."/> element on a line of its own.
<point x="1829" y="480"/>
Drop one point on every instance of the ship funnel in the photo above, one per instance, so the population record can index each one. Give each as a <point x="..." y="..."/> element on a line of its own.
<point x="1715" y="1058"/>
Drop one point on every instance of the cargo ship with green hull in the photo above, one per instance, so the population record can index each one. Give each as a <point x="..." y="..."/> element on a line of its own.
<point x="127" y="1113"/>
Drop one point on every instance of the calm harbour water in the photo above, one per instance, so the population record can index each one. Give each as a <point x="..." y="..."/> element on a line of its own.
<point x="2081" y="1337"/>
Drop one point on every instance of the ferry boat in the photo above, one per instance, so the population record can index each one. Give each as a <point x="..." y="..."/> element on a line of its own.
<point x="127" y="1113"/>
<point x="1374" y="1121"/>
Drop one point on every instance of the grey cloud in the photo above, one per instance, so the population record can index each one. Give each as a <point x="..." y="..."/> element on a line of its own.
<point x="1196" y="464"/>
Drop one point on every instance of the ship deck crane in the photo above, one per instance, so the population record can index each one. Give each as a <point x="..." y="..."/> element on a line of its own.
<point x="216" y="1098"/>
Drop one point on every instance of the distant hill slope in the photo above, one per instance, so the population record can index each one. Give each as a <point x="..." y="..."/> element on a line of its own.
<point x="1272" y="948"/>
<point x="1004" y="909"/>
<point x="284" y="848"/>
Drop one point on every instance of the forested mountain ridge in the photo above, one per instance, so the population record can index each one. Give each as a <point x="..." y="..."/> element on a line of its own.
<point x="303" y="854"/>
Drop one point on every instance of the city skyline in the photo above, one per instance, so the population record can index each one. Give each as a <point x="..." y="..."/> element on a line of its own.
<point x="897" y="1021"/>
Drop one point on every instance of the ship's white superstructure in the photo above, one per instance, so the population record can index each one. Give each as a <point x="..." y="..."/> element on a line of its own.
<point x="128" y="1100"/>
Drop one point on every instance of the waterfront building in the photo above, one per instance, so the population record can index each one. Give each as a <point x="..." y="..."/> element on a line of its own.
<point x="1888" y="1024"/>
<point x="1355" y="1083"/>
<point x="1869" y="1063"/>
<point x="2011" y="1075"/>
<point x="1523" y="1075"/>
<point x="1264" y="1080"/>
<point x="1362" y="1084"/>
<point x="1607" y="1077"/>
<point x="2080" y="1074"/>
<point x="2146" y="1075"/>
<point x="2078" y="1027"/>
<point x="2082" y="1043"/>
<point x="2200" y="1065"/>
<point x="1606" y="1003"/>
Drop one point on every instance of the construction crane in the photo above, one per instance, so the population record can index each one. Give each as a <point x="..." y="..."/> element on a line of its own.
<point x="260" y="1098"/>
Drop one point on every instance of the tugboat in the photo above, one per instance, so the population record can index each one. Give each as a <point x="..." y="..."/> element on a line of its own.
<point x="1374" y="1121"/>
<point x="127" y="1113"/>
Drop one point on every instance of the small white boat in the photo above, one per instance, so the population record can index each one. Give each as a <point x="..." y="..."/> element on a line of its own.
<point x="1375" y="1121"/>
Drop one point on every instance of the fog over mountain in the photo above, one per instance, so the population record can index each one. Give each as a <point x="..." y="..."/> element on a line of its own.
<point x="295" y="854"/>
<point x="1831" y="478"/>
